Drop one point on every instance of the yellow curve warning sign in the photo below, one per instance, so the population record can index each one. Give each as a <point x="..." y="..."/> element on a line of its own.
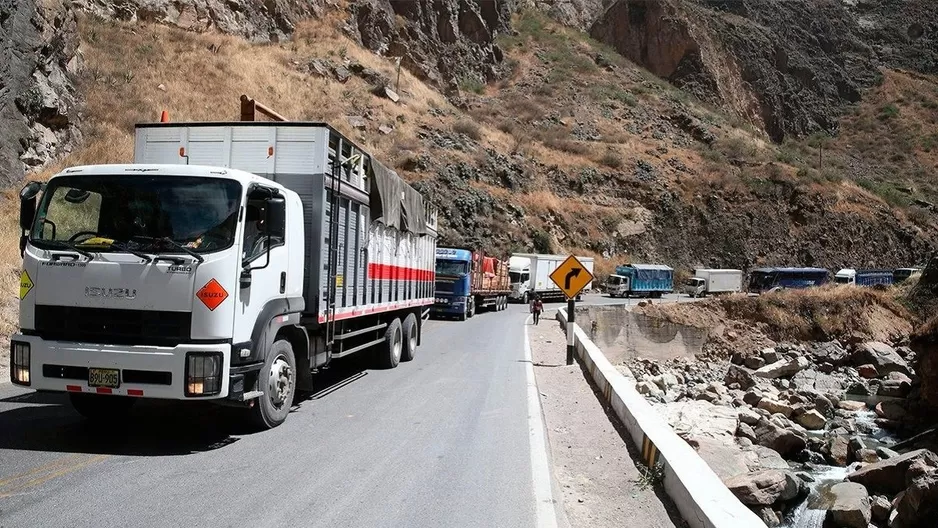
<point x="571" y="276"/>
<point x="26" y="284"/>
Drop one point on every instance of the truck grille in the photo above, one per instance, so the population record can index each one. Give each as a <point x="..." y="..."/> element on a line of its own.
<point x="110" y="326"/>
<point x="444" y="286"/>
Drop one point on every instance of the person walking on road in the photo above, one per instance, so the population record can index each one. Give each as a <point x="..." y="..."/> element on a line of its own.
<point x="536" y="308"/>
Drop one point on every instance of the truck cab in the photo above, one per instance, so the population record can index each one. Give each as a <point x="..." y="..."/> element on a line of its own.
<point x="453" y="295"/>
<point x="695" y="287"/>
<point x="617" y="286"/>
<point x="846" y="276"/>
<point x="519" y="273"/>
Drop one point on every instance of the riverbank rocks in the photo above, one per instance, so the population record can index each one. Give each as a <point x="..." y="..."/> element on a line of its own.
<point x="851" y="405"/>
<point x="881" y="356"/>
<point x="889" y="476"/>
<point x="764" y="488"/>
<point x="890" y="410"/>
<point x="783" y="368"/>
<point x="839" y="449"/>
<point x="740" y="376"/>
<point x="851" y="505"/>
<point x="880" y="508"/>
<point x="775" y="406"/>
<point x="700" y="418"/>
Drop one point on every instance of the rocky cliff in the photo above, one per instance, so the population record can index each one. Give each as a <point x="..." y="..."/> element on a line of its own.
<point x="788" y="66"/>
<point x="38" y="101"/>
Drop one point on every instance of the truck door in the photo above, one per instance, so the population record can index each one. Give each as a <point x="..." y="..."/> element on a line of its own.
<point x="263" y="267"/>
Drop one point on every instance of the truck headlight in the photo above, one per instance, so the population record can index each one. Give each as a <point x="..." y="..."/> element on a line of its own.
<point x="19" y="361"/>
<point x="203" y="373"/>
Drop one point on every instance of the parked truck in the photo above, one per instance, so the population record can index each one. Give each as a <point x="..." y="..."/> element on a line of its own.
<point x="644" y="280"/>
<point x="530" y="274"/>
<point x="864" y="277"/>
<point x="468" y="281"/>
<point x="714" y="281"/>
<point x="770" y="279"/>
<point x="233" y="280"/>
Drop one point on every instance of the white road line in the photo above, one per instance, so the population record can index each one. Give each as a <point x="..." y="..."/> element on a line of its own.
<point x="540" y="467"/>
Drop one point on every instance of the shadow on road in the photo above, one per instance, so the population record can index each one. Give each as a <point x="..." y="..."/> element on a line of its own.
<point x="46" y="422"/>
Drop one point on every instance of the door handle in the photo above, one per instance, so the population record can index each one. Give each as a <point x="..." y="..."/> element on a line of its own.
<point x="283" y="281"/>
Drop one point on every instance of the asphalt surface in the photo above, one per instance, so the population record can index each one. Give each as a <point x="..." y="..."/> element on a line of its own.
<point x="440" y="441"/>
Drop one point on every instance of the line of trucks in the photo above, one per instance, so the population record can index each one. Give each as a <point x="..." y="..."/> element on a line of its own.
<point x="231" y="261"/>
<point x="654" y="280"/>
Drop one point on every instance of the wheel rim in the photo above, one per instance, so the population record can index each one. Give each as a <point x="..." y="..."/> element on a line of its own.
<point x="413" y="339"/>
<point x="397" y="344"/>
<point x="280" y="381"/>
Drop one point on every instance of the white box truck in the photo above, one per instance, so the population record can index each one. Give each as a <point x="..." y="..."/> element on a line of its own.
<point x="714" y="281"/>
<point x="229" y="263"/>
<point x="530" y="274"/>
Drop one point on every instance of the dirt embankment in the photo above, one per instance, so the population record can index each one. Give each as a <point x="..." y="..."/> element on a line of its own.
<point x="740" y="323"/>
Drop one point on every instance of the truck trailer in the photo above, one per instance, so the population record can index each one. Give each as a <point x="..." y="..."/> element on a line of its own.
<point x="864" y="277"/>
<point x="530" y="275"/>
<point x="229" y="263"/>
<point x="468" y="281"/>
<point x="771" y="279"/>
<point x="646" y="280"/>
<point x="714" y="281"/>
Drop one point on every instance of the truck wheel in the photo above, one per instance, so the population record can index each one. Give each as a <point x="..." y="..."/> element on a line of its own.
<point x="100" y="408"/>
<point x="410" y="338"/>
<point x="277" y="380"/>
<point x="504" y="303"/>
<point x="462" y="316"/>
<point x="525" y="299"/>
<point x="389" y="352"/>
<point x="472" y="308"/>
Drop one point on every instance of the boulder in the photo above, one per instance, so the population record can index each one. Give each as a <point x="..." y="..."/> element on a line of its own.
<point x="769" y="516"/>
<point x="785" y="441"/>
<point x="748" y="416"/>
<point x="737" y="358"/>
<point x="665" y="381"/>
<point x="783" y="368"/>
<point x="648" y="388"/>
<point x="752" y="397"/>
<point x="867" y="456"/>
<point x="763" y="488"/>
<point x="770" y="355"/>
<point x="740" y="376"/>
<point x="867" y="371"/>
<point x="886" y="453"/>
<point x="890" y="410"/>
<point x="881" y="356"/>
<point x="898" y="376"/>
<point x="851" y="505"/>
<point x="839" y="449"/>
<point x="745" y="431"/>
<point x="701" y="419"/>
<point x="888" y="477"/>
<point x="774" y="406"/>
<point x="851" y="405"/>
<point x="812" y="420"/>
<point x="754" y="362"/>
<point x="918" y="505"/>
<point x="894" y="388"/>
<point x="880" y="507"/>
<point x="761" y="457"/>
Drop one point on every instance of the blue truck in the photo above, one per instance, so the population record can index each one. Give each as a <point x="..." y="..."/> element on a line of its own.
<point x="864" y="277"/>
<point x="647" y="280"/>
<point x="769" y="279"/>
<point x="468" y="281"/>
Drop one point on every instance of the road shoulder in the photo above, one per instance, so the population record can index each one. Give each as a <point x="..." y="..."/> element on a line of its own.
<point x="592" y="462"/>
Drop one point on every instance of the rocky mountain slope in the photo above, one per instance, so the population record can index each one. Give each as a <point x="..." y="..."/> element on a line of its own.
<point x="527" y="134"/>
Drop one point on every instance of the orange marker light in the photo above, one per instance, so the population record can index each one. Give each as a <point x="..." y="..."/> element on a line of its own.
<point x="182" y="152"/>
<point x="270" y="151"/>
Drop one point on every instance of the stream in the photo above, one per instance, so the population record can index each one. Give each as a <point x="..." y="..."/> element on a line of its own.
<point x="812" y="511"/>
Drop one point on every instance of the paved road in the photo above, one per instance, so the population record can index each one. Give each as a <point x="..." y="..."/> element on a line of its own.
<point x="441" y="441"/>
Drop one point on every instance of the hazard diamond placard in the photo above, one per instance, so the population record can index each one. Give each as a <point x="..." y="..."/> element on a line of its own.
<point x="26" y="284"/>
<point x="571" y="277"/>
<point x="212" y="294"/>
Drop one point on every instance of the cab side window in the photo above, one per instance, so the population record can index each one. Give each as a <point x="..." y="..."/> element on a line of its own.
<point x="262" y="231"/>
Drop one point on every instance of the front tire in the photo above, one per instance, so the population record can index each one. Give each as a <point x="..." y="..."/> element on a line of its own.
<point x="472" y="308"/>
<point x="277" y="380"/>
<point x="525" y="298"/>
<point x="410" y="338"/>
<point x="100" y="408"/>
<point x="389" y="355"/>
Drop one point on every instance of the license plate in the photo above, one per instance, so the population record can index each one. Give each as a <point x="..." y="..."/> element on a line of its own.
<point x="104" y="378"/>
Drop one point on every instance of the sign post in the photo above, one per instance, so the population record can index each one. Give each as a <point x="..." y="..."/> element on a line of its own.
<point x="571" y="277"/>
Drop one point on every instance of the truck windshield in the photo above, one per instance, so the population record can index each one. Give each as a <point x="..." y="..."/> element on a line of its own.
<point x="116" y="212"/>
<point x="842" y="280"/>
<point x="451" y="267"/>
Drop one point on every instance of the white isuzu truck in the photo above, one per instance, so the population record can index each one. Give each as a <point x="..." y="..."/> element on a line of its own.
<point x="228" y="263"/>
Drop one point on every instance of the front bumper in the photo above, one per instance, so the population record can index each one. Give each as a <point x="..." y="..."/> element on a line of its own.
<point x="145" y="371"/>
<point x="448" y="306"/>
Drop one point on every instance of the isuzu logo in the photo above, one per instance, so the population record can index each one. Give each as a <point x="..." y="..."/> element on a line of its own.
<point x="111" y="293"/>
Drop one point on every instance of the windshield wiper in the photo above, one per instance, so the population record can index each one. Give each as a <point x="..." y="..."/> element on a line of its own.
<point x="177" y="245"/>
<point x="124" y="247"/>
<point x="73" y="247"/>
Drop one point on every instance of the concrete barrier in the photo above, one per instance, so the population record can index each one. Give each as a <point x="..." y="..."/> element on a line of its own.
<point x="699" y="494"/>
<point x="623" y="334"/>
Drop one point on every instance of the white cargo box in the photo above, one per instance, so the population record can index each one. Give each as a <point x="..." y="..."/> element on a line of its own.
<point x="386" y="232"/>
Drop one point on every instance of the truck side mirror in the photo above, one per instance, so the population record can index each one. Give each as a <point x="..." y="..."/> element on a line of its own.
<point x="276" y="216"/>
<point x="28" y="196"/>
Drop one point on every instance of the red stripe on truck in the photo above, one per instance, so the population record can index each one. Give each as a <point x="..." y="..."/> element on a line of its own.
<point x="392" y="272"/>
<point x="73" y="388"/>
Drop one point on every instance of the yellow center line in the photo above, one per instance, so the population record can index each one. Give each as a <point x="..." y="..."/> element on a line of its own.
<point x="34" y="477"/>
